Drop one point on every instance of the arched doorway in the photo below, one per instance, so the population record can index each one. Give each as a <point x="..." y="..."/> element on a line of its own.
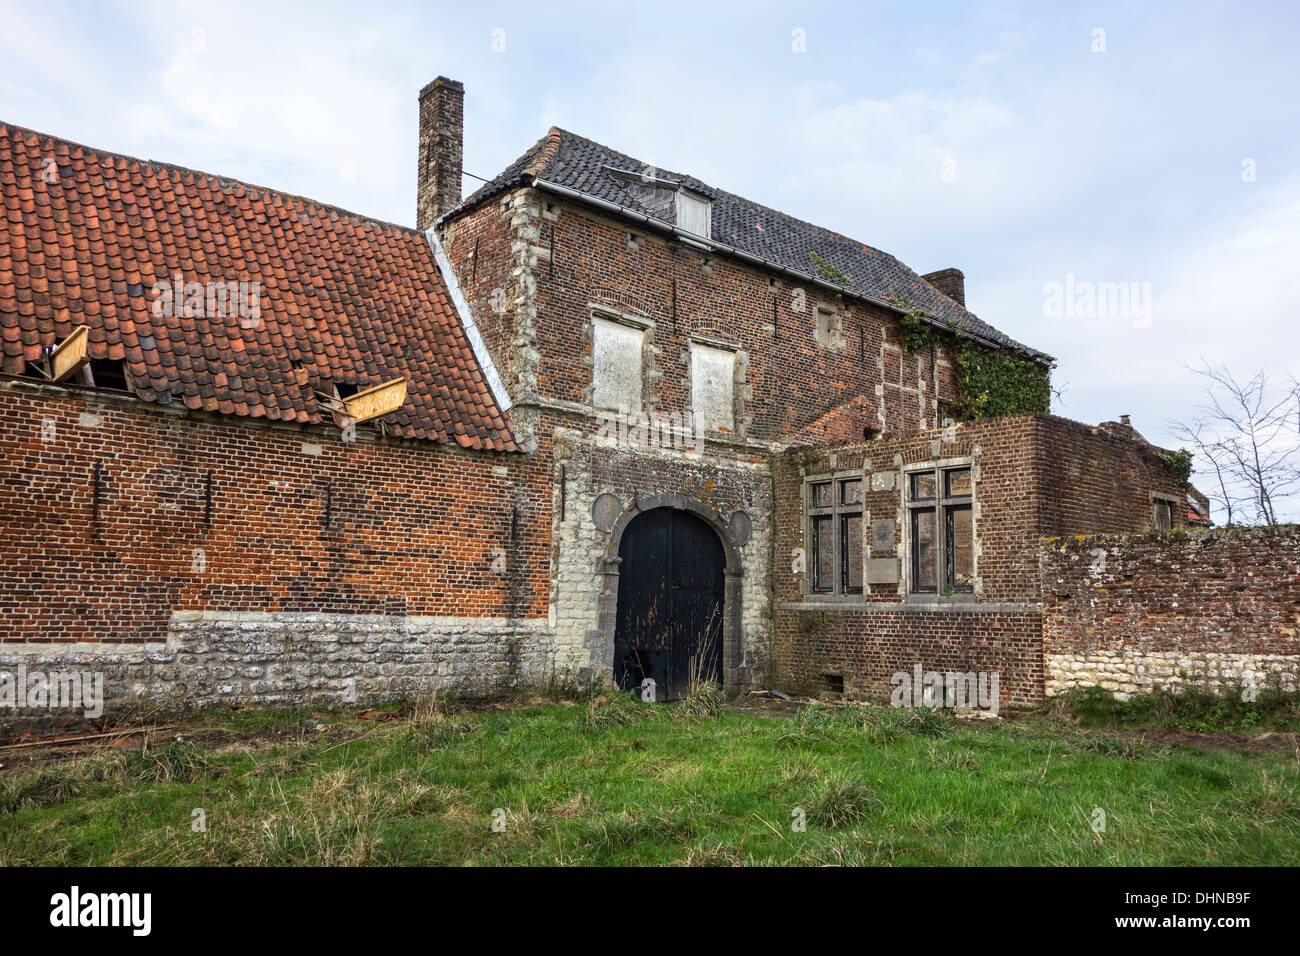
<point x="670" y="603"/>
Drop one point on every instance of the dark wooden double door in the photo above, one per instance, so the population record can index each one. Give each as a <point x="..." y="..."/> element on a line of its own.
<point x="670" y="603"/>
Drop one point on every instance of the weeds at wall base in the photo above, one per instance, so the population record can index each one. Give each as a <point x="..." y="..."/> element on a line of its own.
<point x="1194" y="708"/>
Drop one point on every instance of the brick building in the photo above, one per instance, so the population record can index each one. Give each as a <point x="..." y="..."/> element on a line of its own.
<point x="650" y="430"/>
<point x="924" y="547"/>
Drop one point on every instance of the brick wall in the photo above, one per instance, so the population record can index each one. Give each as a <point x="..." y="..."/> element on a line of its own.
<point x="866" y="646"/>
<point x="1032" y="474"/>
<point x="1137" y="611"/>
<point x="1094" y="479"/>
<point x="302" y="529"/>
<point x="533" y="267"/>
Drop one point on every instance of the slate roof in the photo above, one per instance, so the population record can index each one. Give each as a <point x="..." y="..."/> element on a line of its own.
<point x="565" y="159"/>
<point x="85" y="235"/>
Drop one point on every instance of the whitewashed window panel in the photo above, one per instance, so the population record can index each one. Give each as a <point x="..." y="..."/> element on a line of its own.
<point x="713" y="375"/>
<point x="616" y="365"/>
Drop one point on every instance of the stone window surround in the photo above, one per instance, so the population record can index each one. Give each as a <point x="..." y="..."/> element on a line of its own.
<point x="737" y="383"/>
<point x="835" y="596"/>
<point x="649" y="374"/>
<point x="905" y="548"/>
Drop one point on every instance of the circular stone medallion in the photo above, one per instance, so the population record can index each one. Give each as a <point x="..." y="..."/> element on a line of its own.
<point x="741" y="527"/>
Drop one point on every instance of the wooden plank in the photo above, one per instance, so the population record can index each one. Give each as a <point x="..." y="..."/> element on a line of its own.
<point x="72" y="353"/>
<point x="82" y="738"/>
<point x="376" y="401"/>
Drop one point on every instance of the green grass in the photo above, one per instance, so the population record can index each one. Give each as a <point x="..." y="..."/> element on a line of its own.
<point x="614" y="781"/>
<point x="1193" y="707"/>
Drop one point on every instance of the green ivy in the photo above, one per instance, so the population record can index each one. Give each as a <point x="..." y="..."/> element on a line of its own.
<point x="1179" y="464"/>
<point x="828" y="271"/>
<point x="993" y="382"/>
<point x="915" y="333"/>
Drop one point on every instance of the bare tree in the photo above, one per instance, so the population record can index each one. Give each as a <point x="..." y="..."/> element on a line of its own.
<point x="1248" y="433"/>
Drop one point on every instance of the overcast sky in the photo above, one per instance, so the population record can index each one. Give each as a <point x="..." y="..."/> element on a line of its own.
<point x="1139" y="143"/>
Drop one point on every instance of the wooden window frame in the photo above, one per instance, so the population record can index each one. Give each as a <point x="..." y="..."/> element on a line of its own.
<point x="699" y="201"/>
<point x="1158" y="499"/>
<point x="834" y="516"/>
<point x="944" y="505"/>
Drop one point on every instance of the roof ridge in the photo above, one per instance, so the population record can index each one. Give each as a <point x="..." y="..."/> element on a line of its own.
<point x="546" y="155"/>
<point x="725" y="192"/>
<point x="633" y="159"/>
<point x="772" y="210"/>
<point x="222" y="182"/>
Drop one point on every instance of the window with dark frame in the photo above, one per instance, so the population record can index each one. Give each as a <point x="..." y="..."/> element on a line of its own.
<point x="835" y="535"/>
<point x="941" y="531"/>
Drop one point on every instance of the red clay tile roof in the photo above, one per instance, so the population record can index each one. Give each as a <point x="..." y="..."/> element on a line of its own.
<point x="1198" y="515"/>
<point x="85" y="235"/>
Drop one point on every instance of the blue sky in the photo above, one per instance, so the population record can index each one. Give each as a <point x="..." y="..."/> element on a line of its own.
<point x="996" y="138"/>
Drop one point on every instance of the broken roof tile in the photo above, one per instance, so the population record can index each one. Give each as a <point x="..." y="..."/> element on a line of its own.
<point x="366" y="305"/>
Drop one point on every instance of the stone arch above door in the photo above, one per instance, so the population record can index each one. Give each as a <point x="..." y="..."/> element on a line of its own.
<point x="600" y="640"/>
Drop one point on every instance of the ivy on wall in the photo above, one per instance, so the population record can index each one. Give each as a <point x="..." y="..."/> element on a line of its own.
<point x="1179" y="464"/>
<point x="997" y="383"/>
<point x="992" y="382"/>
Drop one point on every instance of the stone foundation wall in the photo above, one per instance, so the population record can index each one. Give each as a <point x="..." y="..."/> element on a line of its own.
<point x="223" y="659"/>
<point x="1126" y="672"/>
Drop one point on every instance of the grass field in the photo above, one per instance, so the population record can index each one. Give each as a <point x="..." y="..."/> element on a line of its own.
<point x="613" y="781"/>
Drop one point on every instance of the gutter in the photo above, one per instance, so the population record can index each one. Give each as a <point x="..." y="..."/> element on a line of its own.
<point x="467" y="322"/>
<point x="713" y="245"/>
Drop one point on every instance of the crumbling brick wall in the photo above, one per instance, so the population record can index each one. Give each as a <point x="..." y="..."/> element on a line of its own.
<point x="1088" y="476"/>
<point x="1138" y="611"/>
<point x="213" y="544"/>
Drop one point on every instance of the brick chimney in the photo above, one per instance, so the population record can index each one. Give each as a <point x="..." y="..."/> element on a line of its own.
<point x="950" y="282"/>
<point x="442" y="122"/>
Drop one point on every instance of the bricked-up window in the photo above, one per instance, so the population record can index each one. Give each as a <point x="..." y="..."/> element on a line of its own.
<point x="713" y="376"/>
<point x="616" y="365"/>
<point x="829" y="328"/>
<point x="940" y="531"/>
<point x="835" y="535"/>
